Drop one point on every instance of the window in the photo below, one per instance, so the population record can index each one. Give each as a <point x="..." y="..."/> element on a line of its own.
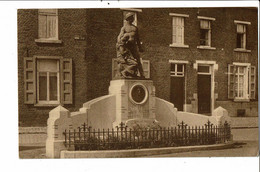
<point x="241" y="35"/>
<point x="48" y="80"/>
<point x="177" y="70"/>
<point x="135" y="17"/>
<point x="204" y="69"/>
<point x="205" y="32"/>
<point x="145" y="64"/>
<point x="241" y="81"/>
<point x="48" y="26"/>
<point x="178" y="30"/>
<point x="131" y="10"/>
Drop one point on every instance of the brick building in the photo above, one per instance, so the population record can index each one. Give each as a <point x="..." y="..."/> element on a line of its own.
<point x="198" y="58"/>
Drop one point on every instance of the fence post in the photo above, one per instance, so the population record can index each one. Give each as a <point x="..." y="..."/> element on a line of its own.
<point x="59" y="120"/>
<point x="108" y="138"/>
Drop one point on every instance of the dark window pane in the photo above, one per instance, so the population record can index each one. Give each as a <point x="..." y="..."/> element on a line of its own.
<point x="42" y="86"/>
<point x="239" y="40"/>
<point x="179" y="68"/>
<point x="53" y="86"/>
<point x="204" y="69"/>
<point x="172" y="67"/>
<point x="203" y="36"/>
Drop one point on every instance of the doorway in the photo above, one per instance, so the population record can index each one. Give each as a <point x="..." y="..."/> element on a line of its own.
<point x="204" y="89"/>
<point x="177" y="85"/>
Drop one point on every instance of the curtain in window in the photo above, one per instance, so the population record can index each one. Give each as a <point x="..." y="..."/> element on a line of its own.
<point x="47" y="20"/>
<point x="178" y="30"/>
<point x="241" y="28"/>
<point x="204" y="24"/>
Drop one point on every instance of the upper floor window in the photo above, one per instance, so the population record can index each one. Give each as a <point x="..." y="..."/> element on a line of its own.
<point x="48" y="26"/>
<point x="178" y="30"/>
<point x="133" y="11"/>
<point x="205" y="32"/>
<point x="241" y="36"/>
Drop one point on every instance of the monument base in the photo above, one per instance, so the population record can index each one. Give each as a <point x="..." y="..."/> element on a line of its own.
<point x="134" y="99"/>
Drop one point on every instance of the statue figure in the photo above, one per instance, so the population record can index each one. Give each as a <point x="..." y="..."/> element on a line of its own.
<point x="128" y="58"/>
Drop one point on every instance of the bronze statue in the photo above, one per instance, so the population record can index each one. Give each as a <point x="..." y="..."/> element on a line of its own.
<point x="128" y="58"/>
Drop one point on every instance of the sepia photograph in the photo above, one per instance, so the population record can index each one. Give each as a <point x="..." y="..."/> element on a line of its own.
<point x="103" y="85"/>
<point x="138" y="82"/>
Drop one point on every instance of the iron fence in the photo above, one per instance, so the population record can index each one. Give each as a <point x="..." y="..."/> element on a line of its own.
<point x="122" y="137"/>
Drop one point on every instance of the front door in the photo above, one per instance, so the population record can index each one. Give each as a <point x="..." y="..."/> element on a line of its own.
<point x="177" y="86"/>
<point x="177" y="92"/>
<point x="204" y="90"/>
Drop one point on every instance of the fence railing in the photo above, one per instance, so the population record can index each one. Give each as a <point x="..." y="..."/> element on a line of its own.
<point x="86" y="138"/>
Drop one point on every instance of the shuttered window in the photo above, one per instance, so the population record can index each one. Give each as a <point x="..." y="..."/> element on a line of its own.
<point x="146" y="68"/>
<point x="48" y="24"/>
<point x="241" y="82"/>
<point x="145" y="64"/>
<point x="178" y="30"/>
<point x="48" y="80"/>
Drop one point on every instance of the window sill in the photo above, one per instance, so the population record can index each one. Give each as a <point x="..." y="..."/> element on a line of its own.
<point x="51" y="41"/>
<point x="241" y="100"/>
<point x="179" y="46"/>
<point x="46" y="105"/>
<point x="242" y="50"/>
<point x="206" y="47"/>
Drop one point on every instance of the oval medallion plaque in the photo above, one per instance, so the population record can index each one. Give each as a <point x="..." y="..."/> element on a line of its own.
<point x="138" y="94"/>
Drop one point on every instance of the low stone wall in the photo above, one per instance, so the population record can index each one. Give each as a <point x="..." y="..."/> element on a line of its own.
<point x="140" y="152"/>
<point x="99" y="111"/>
<point x="192" y="119"/>
<point x="165" y="113"/>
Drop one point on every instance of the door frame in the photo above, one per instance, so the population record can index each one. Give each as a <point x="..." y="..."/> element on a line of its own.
<point x="213" y="67"/>
<point x="184" y="63"/>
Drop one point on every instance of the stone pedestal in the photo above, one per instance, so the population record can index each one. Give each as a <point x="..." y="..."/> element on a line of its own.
<point x="134" y="100"/>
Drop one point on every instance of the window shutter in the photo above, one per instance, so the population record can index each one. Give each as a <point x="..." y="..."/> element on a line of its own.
<point x="114" y="67"/>
<point x="252" y="73"/>
<point x="146" y="68"/>
<point x="231" y="81"/>
<point x="66" y="80"/>
<point x="29" y="80"/>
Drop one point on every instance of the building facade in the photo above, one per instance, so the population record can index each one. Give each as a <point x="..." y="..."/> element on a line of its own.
<point x="198" y="58"/>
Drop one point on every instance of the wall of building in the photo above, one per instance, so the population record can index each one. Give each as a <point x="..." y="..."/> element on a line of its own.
<point x="71" y="23"/>
<point x="92" y="56"/>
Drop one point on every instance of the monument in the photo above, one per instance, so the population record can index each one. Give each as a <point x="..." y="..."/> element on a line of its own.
<point x="131" y="101"/>
<point x="135" y="95"/>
